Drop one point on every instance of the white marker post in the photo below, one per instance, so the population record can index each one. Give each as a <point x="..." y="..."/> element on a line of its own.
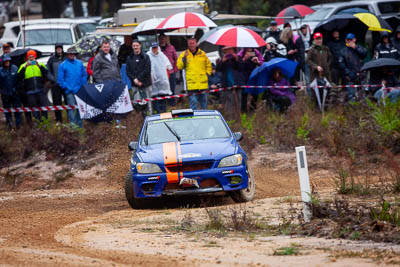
<point x="304" y="181"/>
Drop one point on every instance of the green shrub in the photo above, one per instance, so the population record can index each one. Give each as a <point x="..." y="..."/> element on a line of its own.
<point x="389" y="212"/>
<point x="303" y="131"/>
<point x="387" y="117"/>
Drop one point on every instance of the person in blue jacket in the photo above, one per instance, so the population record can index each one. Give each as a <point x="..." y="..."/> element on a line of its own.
<point x="71" y="77"/>
<point x="8" y="85"/>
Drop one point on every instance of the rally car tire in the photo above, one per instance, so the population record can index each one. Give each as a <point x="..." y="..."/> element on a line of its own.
<point x="248" y="193"/>
<point x="133" y="202"/>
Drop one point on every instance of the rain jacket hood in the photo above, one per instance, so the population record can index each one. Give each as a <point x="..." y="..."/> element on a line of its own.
<point x="58" y="45"/>
<point x="395" y="40"/>
<point x="397" y="31"/>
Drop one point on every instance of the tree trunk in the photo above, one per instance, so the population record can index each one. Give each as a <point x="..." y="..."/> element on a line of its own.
<point x="77" y="6"/>
<point x="52" y="9"/>
<point x="114" y="6"/>
<point x="95" y="7"/>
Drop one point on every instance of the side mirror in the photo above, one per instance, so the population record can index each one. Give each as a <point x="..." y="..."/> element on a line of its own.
<point x="133" y="146"/>
<point x="238" y="136"/>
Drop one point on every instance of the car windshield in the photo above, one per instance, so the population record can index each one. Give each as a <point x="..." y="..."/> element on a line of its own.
<point x="318" y="15"/>
<point x="184" y="129"/>
<point x="87" y="27"/>
<point x="46" y="37"/>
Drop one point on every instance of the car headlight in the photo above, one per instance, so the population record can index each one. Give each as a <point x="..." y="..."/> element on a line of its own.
<point x="233" y="160"/>
<point x="147" y="168"/>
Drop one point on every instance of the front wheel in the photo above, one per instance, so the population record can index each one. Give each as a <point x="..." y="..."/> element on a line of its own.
<point x="246" y="194"/>
<point x="135" y="203"/>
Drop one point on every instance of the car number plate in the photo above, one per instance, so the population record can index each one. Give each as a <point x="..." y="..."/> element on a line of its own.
<point x="189" y="181"/>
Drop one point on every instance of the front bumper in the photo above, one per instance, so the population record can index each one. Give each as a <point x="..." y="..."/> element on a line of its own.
<point x="156" y="184"/>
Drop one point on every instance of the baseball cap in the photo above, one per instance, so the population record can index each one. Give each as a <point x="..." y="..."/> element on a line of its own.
<point x="271" y="40"/>
<point x="317" y="35"/>
<point x="273" y="23"/>
<point x="6" y="58"/>
<point x="154" y="44"/>
<point x="350" y="36"/>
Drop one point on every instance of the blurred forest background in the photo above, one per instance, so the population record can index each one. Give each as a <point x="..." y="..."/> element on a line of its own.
<point x="106" y="8"/>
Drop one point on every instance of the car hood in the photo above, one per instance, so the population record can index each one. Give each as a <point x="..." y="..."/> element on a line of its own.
<point x="198" y="150"/>
<point x="46" y="49"/>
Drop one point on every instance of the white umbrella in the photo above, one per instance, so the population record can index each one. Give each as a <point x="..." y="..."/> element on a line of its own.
<point x="236" y="36"/>
<point x="186" y="20"/>
<point x="148" y="27"/>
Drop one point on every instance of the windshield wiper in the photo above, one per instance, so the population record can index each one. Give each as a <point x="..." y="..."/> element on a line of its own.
<point x="173" y="132"/>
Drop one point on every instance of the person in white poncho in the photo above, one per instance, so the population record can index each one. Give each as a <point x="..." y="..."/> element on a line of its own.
<point x="160" y="67"/>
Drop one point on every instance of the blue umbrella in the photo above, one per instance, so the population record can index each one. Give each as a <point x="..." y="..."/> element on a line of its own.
<point x="261" y="74"/>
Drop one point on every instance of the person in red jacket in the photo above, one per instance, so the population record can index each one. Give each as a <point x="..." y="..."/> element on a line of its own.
<point x="89" y="68"/>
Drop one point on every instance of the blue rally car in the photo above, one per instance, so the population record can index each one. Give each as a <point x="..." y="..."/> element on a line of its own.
<point x="186" y="152"/>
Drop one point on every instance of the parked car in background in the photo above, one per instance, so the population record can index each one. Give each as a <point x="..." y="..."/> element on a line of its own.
<point x="11" y="28"/>
<point x="43" y="37"/>
<point x="387" y="9"/>
<point x="106" y="22"/>
<point x="85" y="25"/>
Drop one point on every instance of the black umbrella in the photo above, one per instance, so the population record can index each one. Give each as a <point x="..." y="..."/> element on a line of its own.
<point x="379" y="63"/>
<point x="18" y="56"/>
<point x="345" y="23"/>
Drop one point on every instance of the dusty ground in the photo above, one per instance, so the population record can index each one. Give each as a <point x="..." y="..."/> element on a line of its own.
<point x="84" y="219"/>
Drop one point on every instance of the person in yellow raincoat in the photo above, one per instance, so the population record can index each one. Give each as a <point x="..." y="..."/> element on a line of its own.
<point x="197" y="68"/>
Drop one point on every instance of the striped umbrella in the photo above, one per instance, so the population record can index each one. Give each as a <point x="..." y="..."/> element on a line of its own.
<point x="236" y="36"/>
<point x="186" y="20"/>
<point x="295" y="11"/>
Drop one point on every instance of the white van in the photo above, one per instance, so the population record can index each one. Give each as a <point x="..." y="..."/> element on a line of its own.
<point x="43" y="37"/>
<point x="12" y="28"/>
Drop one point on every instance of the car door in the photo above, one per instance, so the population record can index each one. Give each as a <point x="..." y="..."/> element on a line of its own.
<point x="76" y="33"/>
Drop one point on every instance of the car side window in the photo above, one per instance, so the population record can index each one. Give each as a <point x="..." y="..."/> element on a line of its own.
<point x="77" y="33"/>
<point x="15" y="30"/>
<point x="366" y="7"/>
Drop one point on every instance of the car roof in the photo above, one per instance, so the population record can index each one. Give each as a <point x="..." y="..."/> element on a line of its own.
<point x="51" y="21"/>
<point x="48" y="26"/>
<point x="196" y="113"/>
<point x="351" y="3"/>
<point x="339" y="4"/>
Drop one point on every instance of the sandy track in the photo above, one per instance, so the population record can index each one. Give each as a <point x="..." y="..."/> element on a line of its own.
<point x="93" y="225"/>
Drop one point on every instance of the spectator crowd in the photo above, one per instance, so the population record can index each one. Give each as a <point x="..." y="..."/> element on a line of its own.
<point x="154" y="73"/>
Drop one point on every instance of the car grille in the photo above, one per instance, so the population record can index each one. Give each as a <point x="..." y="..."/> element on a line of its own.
<point x="189" y="167"/>
<point x="207" y="183"/>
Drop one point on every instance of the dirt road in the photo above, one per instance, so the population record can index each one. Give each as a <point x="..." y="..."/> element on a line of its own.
<point x="92" y="224"/>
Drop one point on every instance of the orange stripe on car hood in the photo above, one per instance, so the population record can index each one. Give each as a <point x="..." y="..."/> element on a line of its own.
<point x="171" y="159"/>
<point x="166" y="115"/>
